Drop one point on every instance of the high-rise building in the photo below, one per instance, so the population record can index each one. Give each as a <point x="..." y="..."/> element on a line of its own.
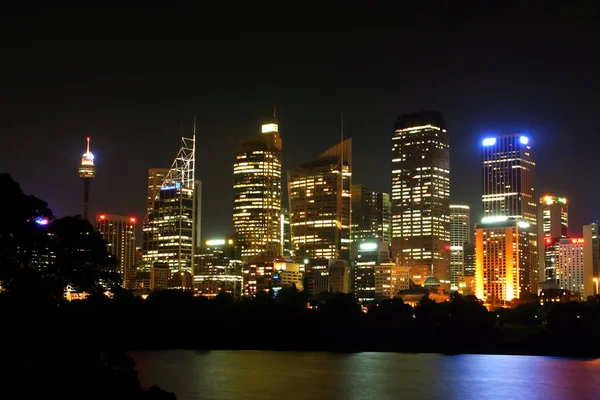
<point x="370" y="256"/>
<point x="87" y="172"/>
<point x="574" y="267"/>
<point x="371" y="216"/>
<point x="421" y="195"/>
<point x="216" y="269"/>
<point x="502" y="267"/>
<point x="553" y="224"/>
<point x="591" y="235"/>
<point x="319" y="194"/>
<point x="286" y="234"/>
<point x="390" y="280"/>
<point x="460" y="234"/>
<point x="257" y="193"/>
<point x="171" y="229"/>
<point x="156" y="177"/>
<point x="119" y="233"/>
<point x="508" y="166"/>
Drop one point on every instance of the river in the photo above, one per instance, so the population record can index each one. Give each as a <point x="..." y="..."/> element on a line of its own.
<point x="253" y="375"/>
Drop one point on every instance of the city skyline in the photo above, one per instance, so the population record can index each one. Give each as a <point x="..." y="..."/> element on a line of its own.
<point x="135" y="120"/>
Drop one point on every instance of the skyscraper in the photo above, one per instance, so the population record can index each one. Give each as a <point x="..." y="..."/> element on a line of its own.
<point x="172" y="228"/>
<point x="421" y="195"/>
<point x="119" y="233"/>
<point x="257" y="192"/>
<point x="502" y="266"/>
<point x="574" y="266"/>
<point x="156" y="177"/>
<point x="371" y="216"/>
<point x="508" y="166"/>
<point x="460" y="234"/>
<point x="286" y="234"/>
<point x="87" y="172"/>
<point x="553" y="225"/>
<point x="319" y="194"/>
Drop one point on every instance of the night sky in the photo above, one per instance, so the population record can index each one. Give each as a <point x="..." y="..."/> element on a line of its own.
<point x="130" y="78"/>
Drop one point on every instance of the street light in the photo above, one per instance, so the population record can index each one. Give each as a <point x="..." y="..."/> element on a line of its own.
<point x="596" y="282"/>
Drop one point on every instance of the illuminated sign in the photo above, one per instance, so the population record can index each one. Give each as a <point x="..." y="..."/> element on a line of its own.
<point x="489" y="141"/>
<point x="524" y="140"/>
<point x="523" y="224"/>
<point x="270" y="128"/>
<point x="456" y="248"/>
<point x="368" y="246"/>
<point x="487" y="220"/>
<point x="562" y="200"/>
<point x="177" y="185"/>
<point x="215" y="242"/>
<point x="577" y="240"/>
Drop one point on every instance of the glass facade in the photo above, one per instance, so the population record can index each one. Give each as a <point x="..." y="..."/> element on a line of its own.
<point x="257" y="193"/>
<point x="508" y="182"/>
<point x="460" y="234"/>
<point x="319" y="195"/>
<point x="119" y="233"/>
<point x="553" y="225"/>
<point x="371" y="216"/>
<point x="421" y="195"/>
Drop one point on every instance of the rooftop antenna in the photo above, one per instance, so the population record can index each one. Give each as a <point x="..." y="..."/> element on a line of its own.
<point x="274" y="111"/>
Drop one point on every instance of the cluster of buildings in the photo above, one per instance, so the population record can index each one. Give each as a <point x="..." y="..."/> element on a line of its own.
<point x="335" y="235"/>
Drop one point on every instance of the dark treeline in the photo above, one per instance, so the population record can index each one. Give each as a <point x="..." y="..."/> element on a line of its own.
<point x="174" y="319"/>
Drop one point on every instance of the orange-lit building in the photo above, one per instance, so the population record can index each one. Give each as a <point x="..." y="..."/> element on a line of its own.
<point x="502" y="264"/>
<point x="119" y="233"/>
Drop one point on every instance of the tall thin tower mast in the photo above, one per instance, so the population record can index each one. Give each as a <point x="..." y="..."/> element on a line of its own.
<point x="87" y="172"/>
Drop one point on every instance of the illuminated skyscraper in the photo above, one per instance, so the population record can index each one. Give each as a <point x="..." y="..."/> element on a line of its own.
<point x="371" y="216"/>
<point x="553" y="225"/>
<point x="156" y="177"/>
<point x="257" y="193"/>
<point x="502" y="266"/>
<point x="508" y="166"/>
<point x="319" y="194"/>
<point x="460" y="234"/>
<point x="286" y="234"/>
<point x="87" y="172"/>
<point x="119" y="233"/>
<point x="172" y="227"/>
<point x="421" y="195"/>
<point x="574" y="266"/>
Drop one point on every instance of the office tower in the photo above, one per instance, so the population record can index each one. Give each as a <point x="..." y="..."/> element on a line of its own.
<point x="460" y="233"/>
<point x="509" y="185"/>
<point x="421" y="195"/>
<point x="87" y="172"/>
<point x="502" y="266"/>
<point x="171" y="229"/>
<point x="370" y="255"/>
<point x="390" y="280"/>
<point x="574" y="267"/>
<point x="119" y="233"/>
<point x="286" y="234"/>
<point x="216" y="269"/>
<point x="371" y="216"/>
<point x="591" y="252"/>
<point x="156" y="177"/>
<point x="338" y="274"/>
<point x="287" y="275"/>
<point x="257" y="192"/>
<point x="469" y="260"/>
<point x="553" y="224"/>
<point x="319" y="194"/>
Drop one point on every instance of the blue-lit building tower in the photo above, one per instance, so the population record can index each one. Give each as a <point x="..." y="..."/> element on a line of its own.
<point x="508" y="183"/>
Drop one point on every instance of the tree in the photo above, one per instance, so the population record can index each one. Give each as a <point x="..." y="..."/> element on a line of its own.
<point x="23" y="232"/>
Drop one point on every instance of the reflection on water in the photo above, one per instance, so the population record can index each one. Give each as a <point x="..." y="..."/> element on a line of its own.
<point x="254" y="375"/>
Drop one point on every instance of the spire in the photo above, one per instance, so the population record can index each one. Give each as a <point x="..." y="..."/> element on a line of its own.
<point x="274" y="111"/>
<point x="88" y="145"/>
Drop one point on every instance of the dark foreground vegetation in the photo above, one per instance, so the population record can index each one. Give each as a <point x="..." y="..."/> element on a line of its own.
<point x="174" y="320"/>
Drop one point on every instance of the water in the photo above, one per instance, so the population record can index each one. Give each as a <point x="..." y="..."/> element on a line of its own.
<point x="256" y="375"/>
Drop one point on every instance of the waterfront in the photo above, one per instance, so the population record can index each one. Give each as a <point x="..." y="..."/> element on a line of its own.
<point x="220" y="375"/>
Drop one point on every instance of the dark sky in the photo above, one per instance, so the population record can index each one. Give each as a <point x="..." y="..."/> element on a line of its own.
<point x="129" y="78"/>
